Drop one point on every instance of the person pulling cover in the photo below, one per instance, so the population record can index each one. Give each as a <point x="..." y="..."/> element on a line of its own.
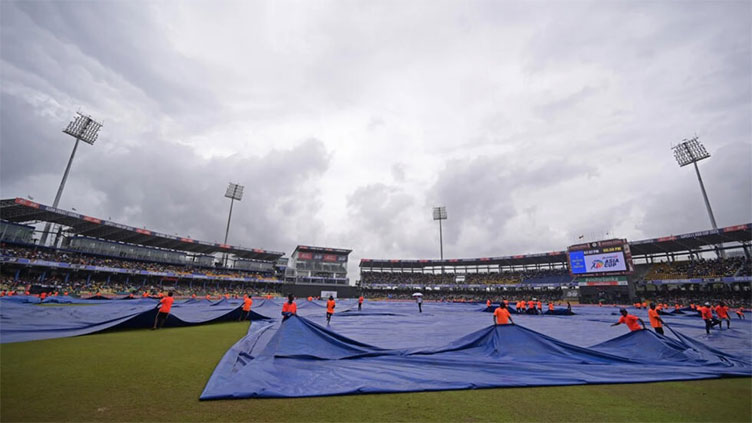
<point x="165" y="304"/>
<point x="630" y="320"/>
<point x="501" y="315"/>
<point x="289" y="308"/>
<point x="329" y="309"/>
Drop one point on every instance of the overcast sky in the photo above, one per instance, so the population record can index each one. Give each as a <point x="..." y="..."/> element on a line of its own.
<point x="347" y="121"/>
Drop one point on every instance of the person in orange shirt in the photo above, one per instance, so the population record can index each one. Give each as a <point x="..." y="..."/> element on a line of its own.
<point x="329" y="309"/>
<point x="165" y="304"/>
<point x="310" y="298"/>
<point x="630" y="320"/>
<point x="644" y="304"/>
<point x="42" y="296"/>
<point x="501" y="315"/>
<point x="740" y="313"/>
<point x="706" y="313"/>
<point x="208" y="297"/>
<point x="360" y="303"/>
<point x="193" y="296"/>
<point x="722" y="311"/>
<point x="289" y="308"/>
<point x="531" y="307"/>
<point x="551" y="306"/>
<point x="145" y="294"/>
<point x="247" y="303"/>
<point x="488" y="303"/>
<point x="655" y="319"/>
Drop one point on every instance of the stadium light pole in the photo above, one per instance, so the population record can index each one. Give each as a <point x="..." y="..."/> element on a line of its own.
<point x="692" y="151"/>
<point x="440" y="213"/>
<point x="234" y="192"/>
<point x="82" y="128"/>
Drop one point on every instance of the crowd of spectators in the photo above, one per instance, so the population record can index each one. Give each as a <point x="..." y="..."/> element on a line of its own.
<point x="83" y="288"/>
<point x="528" y="276"/>
<point x="734" y="298"/>
<point x="700" y="268"/>
<point x="79" y="258"/>
<point x="467" y="295"/>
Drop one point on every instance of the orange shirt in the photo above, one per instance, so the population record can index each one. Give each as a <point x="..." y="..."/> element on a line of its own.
<point x="530" y="304"/>
<point x="310" y="298"/>
<point x="289" y="308"/>
<point x="501" y="315"/>
<point x="630" y="321"/>
<point x="540" y="305"/>
<point x="166" y="304"/>
<point x="706" y="313"/>
<point x="330" y="306"/>
<point x="145" y="294"/>
<point x="43" y="295"/>
<point x="247" y="303"/>
<point x="193" y="296"/>
<point x="722" y="312"/>
<point x="208" y="297"/>
<point x="550" y="306"/>
<point x="644" y="305"/>
<point x="360" y="300"/>
<point x="740" y="310"/>
<point x="654" y="316"/>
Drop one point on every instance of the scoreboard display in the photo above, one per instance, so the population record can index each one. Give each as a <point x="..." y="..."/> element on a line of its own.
<point x="611" y="257"/>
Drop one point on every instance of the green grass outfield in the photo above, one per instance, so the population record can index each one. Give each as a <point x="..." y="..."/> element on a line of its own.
<point x="143" y="375"/>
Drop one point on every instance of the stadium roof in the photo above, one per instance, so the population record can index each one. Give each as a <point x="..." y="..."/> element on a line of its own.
<point x="667" y="244"/>
<point x="324" y="250"/>
<point x="20" y="210"/>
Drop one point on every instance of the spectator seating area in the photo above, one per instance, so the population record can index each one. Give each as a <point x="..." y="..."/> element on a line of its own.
<point x="75" y="257"/>
<point x="533" y="276"/>
<point x="703" y="268"/>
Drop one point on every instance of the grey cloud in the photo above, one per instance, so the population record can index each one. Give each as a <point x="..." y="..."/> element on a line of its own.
<point x="678" y="207"/>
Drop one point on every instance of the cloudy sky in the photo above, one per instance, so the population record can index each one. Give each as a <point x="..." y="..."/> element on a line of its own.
<point x="347" y="121"/>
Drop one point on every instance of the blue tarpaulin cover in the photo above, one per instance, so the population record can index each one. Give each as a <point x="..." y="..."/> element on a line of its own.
<point x="298" y="357"/>
<point x="22" y="319"/>
<point x="391" y="347"/>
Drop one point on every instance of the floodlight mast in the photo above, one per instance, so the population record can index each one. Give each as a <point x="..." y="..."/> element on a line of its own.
<point x="234" y="192"/>
<point x="82" y="128"/>
<point x="692" y="151"/>
<point x="440" y="213"/>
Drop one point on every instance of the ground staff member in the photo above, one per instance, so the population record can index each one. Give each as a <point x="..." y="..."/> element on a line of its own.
<point x="655" y="319"/>
<point x="165" y="304"/>
<point x="360" y="303"/>
<point x="707" y="315"/>
<point x="247" y="303"/>
<point x="501" y="315"/>
<point x="630" y="320"/>
<point x="289" y="308"/>
<point x="329" y="309"/>
<point x="722" y="311"/>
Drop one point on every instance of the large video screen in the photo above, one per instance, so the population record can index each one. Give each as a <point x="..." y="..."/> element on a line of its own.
<point x="597" y="263"/>
<point x="600" y="258"/>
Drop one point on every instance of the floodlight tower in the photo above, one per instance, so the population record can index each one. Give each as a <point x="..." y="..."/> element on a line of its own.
<point x="234" y="192"/>
<point x="692" y="151"/>
<point x="82" y="128"/>
<point x="440" y="213"/>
